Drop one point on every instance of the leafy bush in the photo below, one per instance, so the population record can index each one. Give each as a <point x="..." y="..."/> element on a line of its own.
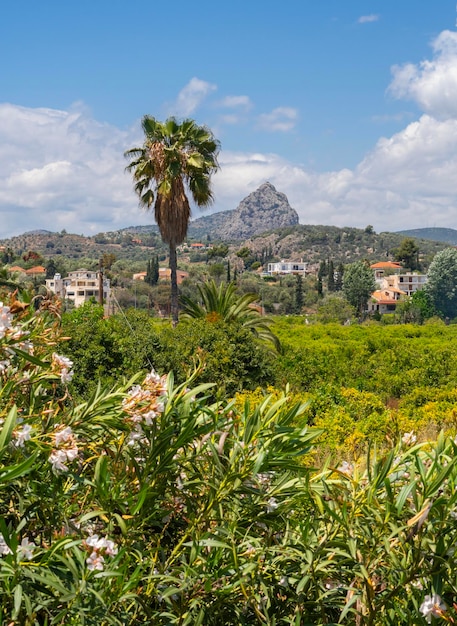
<point x="149" y="503"/>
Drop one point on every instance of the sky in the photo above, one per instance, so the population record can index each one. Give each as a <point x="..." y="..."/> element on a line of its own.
<point x="348" y="107"/>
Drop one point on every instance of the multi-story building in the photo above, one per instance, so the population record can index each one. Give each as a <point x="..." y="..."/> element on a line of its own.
<point x="389" y="275"/>
<point x="394" y="285"/>
<point x="409" y="282"/>
<point x="79" y="287"/>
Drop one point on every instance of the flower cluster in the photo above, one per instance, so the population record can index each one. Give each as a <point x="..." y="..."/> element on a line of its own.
<point x="432" y="606"/>
<point x="24" y="550"/>
<point x="98" y="548"/>
<point x="22" y="435"/>
<point x="65" y="449"/>
<point x="63" y="365"/>
<point x="6" y="319"/>
<point x="4" y="547"/>
<point x="346" y="468"/>
<point x="143" y="404"/>
<point x="409" y="439"/>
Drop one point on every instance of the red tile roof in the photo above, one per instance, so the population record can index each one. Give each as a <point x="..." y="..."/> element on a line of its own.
<point x="385" y="265"/>
<point x="38" y="269"/>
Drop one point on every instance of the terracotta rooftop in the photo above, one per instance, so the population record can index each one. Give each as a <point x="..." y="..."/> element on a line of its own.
<point x="385" y="265"/>
<point x="38" y="269"/>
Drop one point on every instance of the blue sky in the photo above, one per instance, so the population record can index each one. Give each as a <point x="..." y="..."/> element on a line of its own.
<point x="350" y="108"/>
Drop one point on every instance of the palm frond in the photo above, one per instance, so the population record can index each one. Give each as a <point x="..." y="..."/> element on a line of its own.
<point x="223" y="302"/>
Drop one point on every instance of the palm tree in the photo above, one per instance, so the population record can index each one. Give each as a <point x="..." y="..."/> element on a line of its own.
<point x="176" y="159"/>
<point x="222" y="302"/>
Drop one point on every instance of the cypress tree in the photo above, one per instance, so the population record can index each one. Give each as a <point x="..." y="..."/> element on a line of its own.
<point x="299" y="301"/>
<point x="148" y="277"/>
<point x="155" y="270"/>
<point x="331" y="277"/>
<point x="339" y="277"/>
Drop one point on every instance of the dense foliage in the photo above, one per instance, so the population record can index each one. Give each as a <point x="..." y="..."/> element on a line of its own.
<point x="148" y="503"/>
<point x="442" y="282"/>
<point x="225" y="352"/>
<point x="358" y="285"/>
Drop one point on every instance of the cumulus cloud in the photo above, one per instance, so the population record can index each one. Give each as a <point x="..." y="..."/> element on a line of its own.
<point x="191" y="96"/>
<point x="365" y="19"/>
<point x="280" y="119"/>
<point x="236" y="102"/>
<point x="63" y="169"/>
<point x="431" y="84"/>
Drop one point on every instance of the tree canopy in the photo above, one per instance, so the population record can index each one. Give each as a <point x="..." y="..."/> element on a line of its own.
<point x="408" y="253"/>
<point x="442" y="282"/>
<point x="358" y="284"/>
<point x="175" y="161"/>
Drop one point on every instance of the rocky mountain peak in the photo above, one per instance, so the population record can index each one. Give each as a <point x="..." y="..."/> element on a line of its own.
<point x="263" y="209"/>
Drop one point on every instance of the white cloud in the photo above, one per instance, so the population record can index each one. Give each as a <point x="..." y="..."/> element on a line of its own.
<point x="236" y="102"/>
<point x="431" y="84"/>
<point x="280" y="119"/>
<point x="365" y="19"/>
<point x="63" y="169"/>
<point x="191" y="96"/>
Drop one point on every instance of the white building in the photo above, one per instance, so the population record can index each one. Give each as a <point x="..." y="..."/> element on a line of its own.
<point x="79" y="287"/>
<point x="409" y="282"/>
<point x="286" y="267"/>
<point x="389" y="275"/>
<point x="393" y="286"/>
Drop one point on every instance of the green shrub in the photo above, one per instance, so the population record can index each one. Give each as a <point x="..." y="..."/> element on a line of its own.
<point x="149" y="503"/>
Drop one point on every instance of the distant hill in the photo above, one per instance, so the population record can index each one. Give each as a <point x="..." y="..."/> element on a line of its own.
<point x="314" y="243"/>
<point x="264" y="222"/>
<point x="445" y="235"/>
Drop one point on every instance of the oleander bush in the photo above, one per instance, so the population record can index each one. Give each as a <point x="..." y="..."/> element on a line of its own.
<point x="150" y="503"/>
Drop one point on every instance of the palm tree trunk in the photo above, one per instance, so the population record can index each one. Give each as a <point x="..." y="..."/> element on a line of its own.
<point x="174" y="284"/>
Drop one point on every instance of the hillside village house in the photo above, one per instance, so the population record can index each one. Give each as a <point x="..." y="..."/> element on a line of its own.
<point x="385" y="300"/>
<point x="286" y="267"/>
<point x="390" y="275"/>
<point x="79" y="287"/>
<point x="198" y="246"/>
<point x="394" y="285"/>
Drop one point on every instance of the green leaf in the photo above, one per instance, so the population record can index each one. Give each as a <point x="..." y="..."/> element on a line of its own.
<point x="20" y="469"/>
<point x="17" y="601"/>
<point x="7" y="429"/>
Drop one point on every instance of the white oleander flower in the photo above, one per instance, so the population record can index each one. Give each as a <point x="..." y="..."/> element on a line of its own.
<point x="409" y="439"/>
<point x="58" y="458"/>
<point x="95" y="561"/>
<point x="25" y="549"/>
<point x="5" y="319"/>
<point x="346" y="468"/>
<point x="65" y="364"/>
<point x="4" y="548"/>
<point x="432" y="606"/>
<point x="22" y="435"/>
<point x="63" y="436"/>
